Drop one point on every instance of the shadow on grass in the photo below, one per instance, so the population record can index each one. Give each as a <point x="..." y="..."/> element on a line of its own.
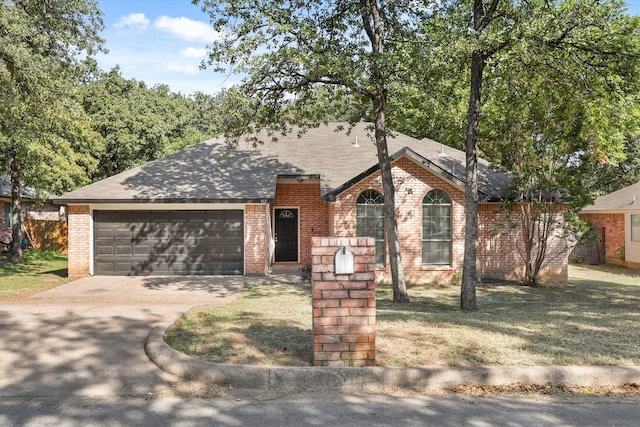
<point x="32" y="262"/>
<point x="281" y="344"/>
<point x="587" y="320"/>
<point x="582" y="322"/>
<point x="257" y="290"/>
<point x="62" y="273"/>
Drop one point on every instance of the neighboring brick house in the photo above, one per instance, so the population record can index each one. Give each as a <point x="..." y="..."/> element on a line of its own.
<point x="618" y="215"/>
<point x="211" y="210"/>
<point x="46" y="231"/>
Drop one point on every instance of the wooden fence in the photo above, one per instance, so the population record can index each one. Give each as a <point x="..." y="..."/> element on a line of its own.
<point x="590" y="254"/>
<point x="47" y="235"/>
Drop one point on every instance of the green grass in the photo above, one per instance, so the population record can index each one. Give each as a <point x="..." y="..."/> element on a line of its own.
<point x="39" y="272"/>
<point x="267" y="325"/>
<point x="592" y="320"/>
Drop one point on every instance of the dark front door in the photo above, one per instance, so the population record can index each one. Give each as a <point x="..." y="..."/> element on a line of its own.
<point x="286" y="237"/>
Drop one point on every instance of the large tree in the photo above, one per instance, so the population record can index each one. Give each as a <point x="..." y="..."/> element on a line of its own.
<point x="605" y="174"/>
<point x="286" y="50"/>
<point x="45" y="47"/>
<point x="542" y="45"/>
<point x="562" y="103"/>
<point x="482" y="28"/>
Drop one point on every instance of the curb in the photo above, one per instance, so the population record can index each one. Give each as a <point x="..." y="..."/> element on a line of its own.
<point x="377" y="378"/>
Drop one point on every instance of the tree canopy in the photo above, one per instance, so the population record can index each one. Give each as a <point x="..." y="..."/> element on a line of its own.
<point x="356" y="50"/>
<point x="45" y="49"/>
<point x="136" y="124"/>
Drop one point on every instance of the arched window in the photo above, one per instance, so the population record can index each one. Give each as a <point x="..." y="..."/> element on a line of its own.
<point x="370" y="220"/>
<point x="436" y="228"/>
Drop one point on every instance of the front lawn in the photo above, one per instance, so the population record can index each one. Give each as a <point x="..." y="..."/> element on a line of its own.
<point x="592" y="320"/>
<point x="39" y="272"/>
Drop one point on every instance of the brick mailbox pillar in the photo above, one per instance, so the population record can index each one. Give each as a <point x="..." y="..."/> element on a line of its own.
<point x="344" y="305"/>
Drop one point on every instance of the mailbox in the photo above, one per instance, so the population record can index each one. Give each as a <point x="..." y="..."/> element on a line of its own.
<point x="344" y="261"/>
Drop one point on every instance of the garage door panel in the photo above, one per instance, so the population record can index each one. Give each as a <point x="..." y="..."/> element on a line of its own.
<point x="199" y="216"/>
<point x="178" y="217"/>
<point x="121" y="234"/>
<point x="102" y="266"/>
<point x="104" y="250"/>
<point x="122" y="250"/>
<point x="141" y="250"/>
<point x="140" y="216"/>
<point x="104" y="234"/>
<point x="168" y="242"/>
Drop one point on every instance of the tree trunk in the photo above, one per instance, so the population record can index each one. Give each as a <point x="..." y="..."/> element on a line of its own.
<point x="372" y="22"/>
<point x="469" y="273"/>
<point x="16" y="205"/>
<point x="391" y="223"/>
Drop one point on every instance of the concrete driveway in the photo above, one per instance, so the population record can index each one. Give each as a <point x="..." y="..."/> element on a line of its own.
<point x="86" y="338"/>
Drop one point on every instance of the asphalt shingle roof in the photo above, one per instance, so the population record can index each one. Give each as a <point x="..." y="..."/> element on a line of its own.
<point x="5" y="188"/>
<point x="210" y="172"/>
<point x="627" y="198"/>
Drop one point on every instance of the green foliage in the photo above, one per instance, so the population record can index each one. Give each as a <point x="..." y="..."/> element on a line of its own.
<point x="44" y="49"/>
<point x="297" y="56"/>
<point x="290" y="52"/>
<point x="136" y="124"/>
<point x="604" y="176"/>
<point x="558" y="96"/>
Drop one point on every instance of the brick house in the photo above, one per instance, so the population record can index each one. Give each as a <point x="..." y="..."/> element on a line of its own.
<point x="618" y="216"/>
<point x="212" y="210"/>
<point x="44" y="228"/>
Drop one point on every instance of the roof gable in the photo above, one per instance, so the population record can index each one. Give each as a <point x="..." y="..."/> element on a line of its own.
<point x="404" y="152"/>
<point x="627" y="198"/>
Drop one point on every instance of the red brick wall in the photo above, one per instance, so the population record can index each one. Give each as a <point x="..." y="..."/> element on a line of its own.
<point x="500" y="250"/>
<point x="255" y="223"/>
<point x="5" y="232"/>
<point x="312" y="211"/>
<point x="344" y="306"/>
<point x="79" y="235"/>
<point x="614" y="233"/>
<point x="412" y="182"/>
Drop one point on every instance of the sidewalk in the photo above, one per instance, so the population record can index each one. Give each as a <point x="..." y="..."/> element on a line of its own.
<point x="375" y="379"/>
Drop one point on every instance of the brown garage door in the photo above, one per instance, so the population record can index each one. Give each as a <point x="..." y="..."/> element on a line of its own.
<point x="130" y="243"/>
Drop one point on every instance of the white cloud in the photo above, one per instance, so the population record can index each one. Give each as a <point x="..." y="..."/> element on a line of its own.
<point x="182" y="68"/>
<point x="187" y="28"/>
<point x="134" y="20"/>
<point x="193" y="52"/>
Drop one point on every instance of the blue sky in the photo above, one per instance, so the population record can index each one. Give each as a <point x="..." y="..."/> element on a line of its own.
<point x="161" y="41"/>
<point x="164" y="41"/>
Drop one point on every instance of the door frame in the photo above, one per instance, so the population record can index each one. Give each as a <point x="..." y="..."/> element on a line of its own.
<point x="275" y="218"/>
